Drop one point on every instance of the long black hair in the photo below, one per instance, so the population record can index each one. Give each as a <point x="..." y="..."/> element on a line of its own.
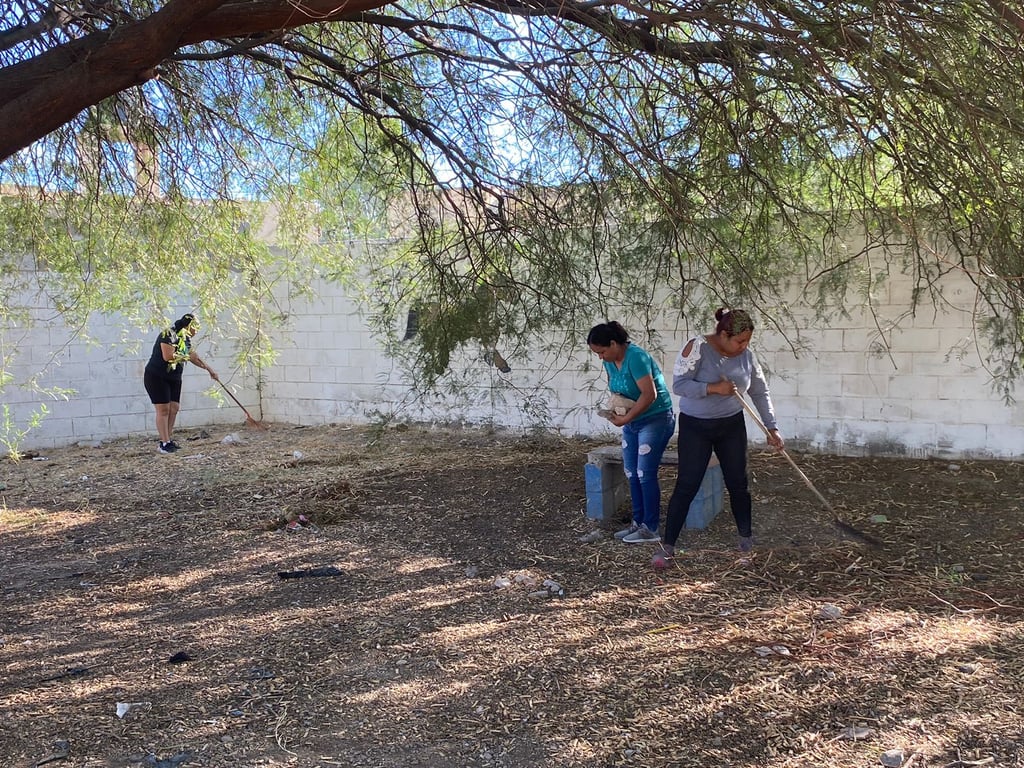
<point x="183" y="322"/>
<point x="604" y="334"/>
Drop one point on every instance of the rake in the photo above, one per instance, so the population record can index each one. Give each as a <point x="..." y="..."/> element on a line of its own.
<point x="248" y="416"/>
<point x="837" y="522"/>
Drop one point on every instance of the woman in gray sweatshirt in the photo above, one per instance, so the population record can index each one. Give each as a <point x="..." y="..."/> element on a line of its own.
<point x="709" y="373"/>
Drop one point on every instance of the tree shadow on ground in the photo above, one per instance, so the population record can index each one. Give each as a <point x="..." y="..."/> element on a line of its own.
<point x="433" y="645"/>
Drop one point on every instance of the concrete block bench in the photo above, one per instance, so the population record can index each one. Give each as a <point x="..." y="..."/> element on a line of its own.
<point x="607" y="487"/>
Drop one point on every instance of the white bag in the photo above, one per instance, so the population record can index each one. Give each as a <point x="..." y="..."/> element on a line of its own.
<point x="616" y="405"/>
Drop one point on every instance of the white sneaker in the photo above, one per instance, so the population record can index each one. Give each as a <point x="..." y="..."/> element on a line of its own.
<point x="633" y="528"/>
<point x="642" y="535"/>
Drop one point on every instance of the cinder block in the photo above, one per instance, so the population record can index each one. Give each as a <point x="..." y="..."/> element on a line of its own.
<point x="709" y="501"/>
<point x="607" y="487"/>
<point x="605" y="492"/>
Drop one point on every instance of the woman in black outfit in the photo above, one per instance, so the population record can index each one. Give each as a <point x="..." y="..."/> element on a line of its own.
<point x="172" y="350"/>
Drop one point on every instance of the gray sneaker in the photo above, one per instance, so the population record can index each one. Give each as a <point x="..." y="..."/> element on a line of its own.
<point x="642" y="535"/>
<point x="633" y="528"/>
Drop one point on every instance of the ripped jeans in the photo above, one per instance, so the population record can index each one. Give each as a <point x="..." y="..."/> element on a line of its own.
<point x="643" y="445"/>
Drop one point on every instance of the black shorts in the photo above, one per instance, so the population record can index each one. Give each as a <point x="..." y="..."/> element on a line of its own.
<point x="162" y="389"/>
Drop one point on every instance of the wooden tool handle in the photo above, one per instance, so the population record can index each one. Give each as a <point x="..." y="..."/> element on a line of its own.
<point x="786" y="456"/>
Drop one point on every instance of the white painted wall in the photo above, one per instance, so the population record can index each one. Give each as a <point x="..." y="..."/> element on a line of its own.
<point x="843" y="392"/>
<point x="109" y="399"/>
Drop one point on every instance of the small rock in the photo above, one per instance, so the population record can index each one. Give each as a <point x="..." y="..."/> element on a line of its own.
<point x="879" y="519"/>
<point x="892" y="758"/>
<point x="502" y="583"/>
<point x="552" y="586"/>
<point x="829" y="611"/>
<point x="170" y="762"/>
<point x="539" y="594"/>
<point x="471" y="571"/>
<point x="967" y="669"/>
<point x="589" y="538"/>
<point x="526" y="579"/>
<point x="954" y="467"/>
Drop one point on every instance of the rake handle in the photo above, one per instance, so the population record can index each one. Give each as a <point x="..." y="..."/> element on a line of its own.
<point x="757" y="420"/>
<point x="239" y="404"/>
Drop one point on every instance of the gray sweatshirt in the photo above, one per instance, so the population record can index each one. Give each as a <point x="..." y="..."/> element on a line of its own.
<point x="704" y="366"/>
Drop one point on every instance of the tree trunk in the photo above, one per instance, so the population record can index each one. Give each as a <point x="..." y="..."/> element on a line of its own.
<point x="41" y="94"/>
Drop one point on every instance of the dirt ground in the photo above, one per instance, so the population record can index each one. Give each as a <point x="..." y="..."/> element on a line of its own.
<point x="444" y="612"/>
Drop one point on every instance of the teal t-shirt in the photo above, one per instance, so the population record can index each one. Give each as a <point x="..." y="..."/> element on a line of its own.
<point x="636" y="365"/>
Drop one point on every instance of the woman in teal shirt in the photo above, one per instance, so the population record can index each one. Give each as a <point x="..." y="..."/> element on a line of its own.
<point x="646" y="427"/>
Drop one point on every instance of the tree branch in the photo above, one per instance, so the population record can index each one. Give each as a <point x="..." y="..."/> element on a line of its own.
<point x="43" y="93"/>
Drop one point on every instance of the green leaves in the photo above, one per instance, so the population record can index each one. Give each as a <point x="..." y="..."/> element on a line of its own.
<point x="512" y="168"/>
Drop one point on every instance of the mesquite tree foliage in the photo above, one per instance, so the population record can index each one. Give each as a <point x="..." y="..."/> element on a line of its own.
<point x="511" y="166"/>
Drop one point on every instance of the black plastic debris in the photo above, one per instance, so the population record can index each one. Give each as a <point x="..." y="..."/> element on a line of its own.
<point x="324" y="570"/>
<point x="170" y="762"/>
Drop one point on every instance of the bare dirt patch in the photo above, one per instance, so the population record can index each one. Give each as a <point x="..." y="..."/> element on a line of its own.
<point x="135" y="578"/>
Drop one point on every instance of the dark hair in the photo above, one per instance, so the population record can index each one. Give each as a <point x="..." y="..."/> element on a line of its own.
<point x="184" y="322"/>
<point x="733" y="321"/>
<point x="604" y="334"/>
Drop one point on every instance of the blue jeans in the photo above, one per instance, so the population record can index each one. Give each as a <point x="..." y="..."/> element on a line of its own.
<point x="643" y="445"/>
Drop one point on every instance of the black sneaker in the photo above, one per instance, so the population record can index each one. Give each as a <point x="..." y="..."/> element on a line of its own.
<point x="168" y="447"/>
<point x="173" y="445"/>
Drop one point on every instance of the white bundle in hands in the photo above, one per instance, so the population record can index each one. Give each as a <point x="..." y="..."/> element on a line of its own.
<point x="616" y="405"/>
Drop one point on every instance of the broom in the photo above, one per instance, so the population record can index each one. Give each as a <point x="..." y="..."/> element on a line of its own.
<point x="837" y="522"/>
<point x="248" y="416"/>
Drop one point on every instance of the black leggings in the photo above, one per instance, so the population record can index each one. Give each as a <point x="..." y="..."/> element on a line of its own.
<point x="162" y="389"/>
<point x="727" y="437"/>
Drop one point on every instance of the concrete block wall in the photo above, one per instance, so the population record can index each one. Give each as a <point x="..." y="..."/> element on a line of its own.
<point x="878" y="382"/>
<point x="892" y="383"/>
<point x="106" y="398"/>
<point x="915" y="390"/>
